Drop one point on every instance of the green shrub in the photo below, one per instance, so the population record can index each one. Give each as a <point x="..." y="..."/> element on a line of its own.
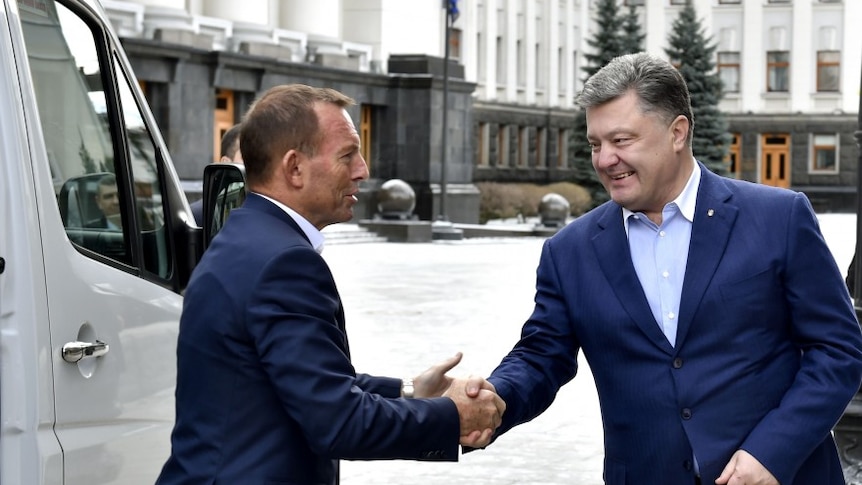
<point x="507" y="200"/>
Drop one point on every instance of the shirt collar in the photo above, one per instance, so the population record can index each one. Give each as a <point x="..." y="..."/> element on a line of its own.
<point x="314" y="236"/>
<point x="685" y="201"/>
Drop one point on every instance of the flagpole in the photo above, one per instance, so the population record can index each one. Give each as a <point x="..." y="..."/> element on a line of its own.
<point x="443" y="148"/>
<point x="441" y="228"/>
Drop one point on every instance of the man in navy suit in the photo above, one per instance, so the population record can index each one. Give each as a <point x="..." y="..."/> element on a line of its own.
<point x="712" y="314"/>
<point x="266" y="393"/>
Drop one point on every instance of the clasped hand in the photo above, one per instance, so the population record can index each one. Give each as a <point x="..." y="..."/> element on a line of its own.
<point x="480" y="409"/>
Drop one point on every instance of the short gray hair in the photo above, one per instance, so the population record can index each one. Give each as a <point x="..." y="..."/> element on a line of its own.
<point x="658" y="85"/>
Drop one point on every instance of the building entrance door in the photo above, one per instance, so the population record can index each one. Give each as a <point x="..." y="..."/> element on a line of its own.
<point x="775" y="160"/>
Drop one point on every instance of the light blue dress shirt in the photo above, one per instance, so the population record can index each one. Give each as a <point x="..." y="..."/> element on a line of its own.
<point x="660" y="253"/>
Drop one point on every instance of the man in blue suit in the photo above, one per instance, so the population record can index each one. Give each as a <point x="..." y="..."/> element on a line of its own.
<point x="266" y="393"/>
<point x="713" y="317"/>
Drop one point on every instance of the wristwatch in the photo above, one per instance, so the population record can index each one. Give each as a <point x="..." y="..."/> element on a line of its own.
<point x="407" y="388"/>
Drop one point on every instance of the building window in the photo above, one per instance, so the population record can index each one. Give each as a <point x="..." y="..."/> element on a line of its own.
<point x="575" y="73"/>
<point x="561" y="70"/>
<point x="540" y="74"/>
<point x="825" y="157"/>
<point x="733" y="154"/>
<point x="224" y="118"/>
<point x="521" y="64"/>
<point x="480" y="60"/>
<point x="728" y="71"/>
<point x="778" y="71"/>
<point x="828" y="70"/>
<point x="455" y="43"/>
<point x="501" y="61"/>
<point x="365" y="125"/>
<point x="523" y="146"/>
<point x="779" y="1"/>
<point x="482" y="145"/>
<point x="562" y="148"/>
<point x="503" y="146"/>
<point x="541" y="142"/>
<point x="678" y="2"/>
<point x="727" y="2"/>
<point x="634" y="3"/>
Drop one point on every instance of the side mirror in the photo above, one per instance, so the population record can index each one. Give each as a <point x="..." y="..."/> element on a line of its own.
<point x="224" y="191"/>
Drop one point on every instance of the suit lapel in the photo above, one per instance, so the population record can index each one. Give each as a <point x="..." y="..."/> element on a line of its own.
<point x="612" y="249"/>
<point x="257" y="203"/>
<point x="714" y="217"/>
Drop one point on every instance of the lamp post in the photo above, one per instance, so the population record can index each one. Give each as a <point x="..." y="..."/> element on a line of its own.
<point x="442" y="228"/>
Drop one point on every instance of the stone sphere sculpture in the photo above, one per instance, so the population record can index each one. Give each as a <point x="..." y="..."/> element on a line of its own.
<point x="554" y="209"/>
<point x="396" y="199"/>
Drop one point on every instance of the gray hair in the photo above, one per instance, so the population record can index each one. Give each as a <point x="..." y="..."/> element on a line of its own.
<point x="658" y="85"/>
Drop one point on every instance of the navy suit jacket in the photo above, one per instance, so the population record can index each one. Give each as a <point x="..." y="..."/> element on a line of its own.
<point x="767" y="354"/>
<point x="266" y="393"/>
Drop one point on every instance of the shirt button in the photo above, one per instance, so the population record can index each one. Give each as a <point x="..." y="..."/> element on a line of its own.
<point x="677" y="363"/>
<point x="686" y="413"/>
<point x="665" y="274"/>
<point x="671" y="315"/>
<point x="661" y="233"/>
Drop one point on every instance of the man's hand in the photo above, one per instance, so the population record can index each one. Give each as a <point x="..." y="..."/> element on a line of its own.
<point x="480" y="414"/>
<point x="744" y="469"/>
<point x="434" y="381"/>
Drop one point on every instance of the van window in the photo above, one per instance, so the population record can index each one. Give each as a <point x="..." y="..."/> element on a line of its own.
<point x="106" y="180"/>
<point x="145" y="177"/>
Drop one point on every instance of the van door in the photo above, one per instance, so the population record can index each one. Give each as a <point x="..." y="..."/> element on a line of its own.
<point x="109" y="261"/>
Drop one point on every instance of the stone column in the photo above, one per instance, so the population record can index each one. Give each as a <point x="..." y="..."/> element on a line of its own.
<point x="318" y="17"/>
<point x="245" y="11"/>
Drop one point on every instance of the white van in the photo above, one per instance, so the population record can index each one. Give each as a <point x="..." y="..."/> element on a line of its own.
<point x="96" y="245"/>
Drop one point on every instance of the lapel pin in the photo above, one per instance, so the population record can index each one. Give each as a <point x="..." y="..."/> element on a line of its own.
<point x="710" y="212"/>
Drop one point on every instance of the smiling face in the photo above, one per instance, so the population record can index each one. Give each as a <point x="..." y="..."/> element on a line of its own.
<point x="331" y="177"/>
<point x="642" y="160"/>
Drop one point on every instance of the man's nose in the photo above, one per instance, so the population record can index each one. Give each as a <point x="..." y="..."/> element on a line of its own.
<point x="360" y="171"/>
<point x="605" y="156"/>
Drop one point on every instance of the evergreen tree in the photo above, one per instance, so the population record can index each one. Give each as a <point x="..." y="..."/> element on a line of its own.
<point x="693" y="53"/>
<point x="607" y="42"/>
<point x="617" y="33"/>
<point x="632" y="36"/>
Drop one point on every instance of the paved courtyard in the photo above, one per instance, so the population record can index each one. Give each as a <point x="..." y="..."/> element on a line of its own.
<point x="411" y="305"/>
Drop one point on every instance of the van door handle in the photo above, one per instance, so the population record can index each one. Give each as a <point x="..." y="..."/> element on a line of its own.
<point x="75" y="351"/>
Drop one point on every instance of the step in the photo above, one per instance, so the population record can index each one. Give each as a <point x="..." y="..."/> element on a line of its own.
<point x="349" y="234"/>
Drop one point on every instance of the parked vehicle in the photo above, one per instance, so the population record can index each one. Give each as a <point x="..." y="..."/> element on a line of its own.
<point x="91" y="274"/>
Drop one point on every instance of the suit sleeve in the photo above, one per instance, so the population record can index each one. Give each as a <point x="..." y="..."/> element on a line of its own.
<point x="292" y="320"/>
<point x="825" y="330"/>
<point x="385" y="386"/>
<point x="545" y="358"/>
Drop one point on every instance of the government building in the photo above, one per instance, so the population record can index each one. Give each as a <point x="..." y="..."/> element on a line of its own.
<point x="791" y="71"/>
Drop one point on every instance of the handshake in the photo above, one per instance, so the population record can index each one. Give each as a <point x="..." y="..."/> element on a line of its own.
<point x="480" y="409"/>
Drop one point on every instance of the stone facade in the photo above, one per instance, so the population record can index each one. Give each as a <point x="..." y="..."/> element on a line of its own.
<point x="406" y="108"/>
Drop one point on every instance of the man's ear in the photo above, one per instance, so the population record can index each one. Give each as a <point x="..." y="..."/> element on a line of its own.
<point x="292" y="166"/>
<point x="679" y="131"/>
